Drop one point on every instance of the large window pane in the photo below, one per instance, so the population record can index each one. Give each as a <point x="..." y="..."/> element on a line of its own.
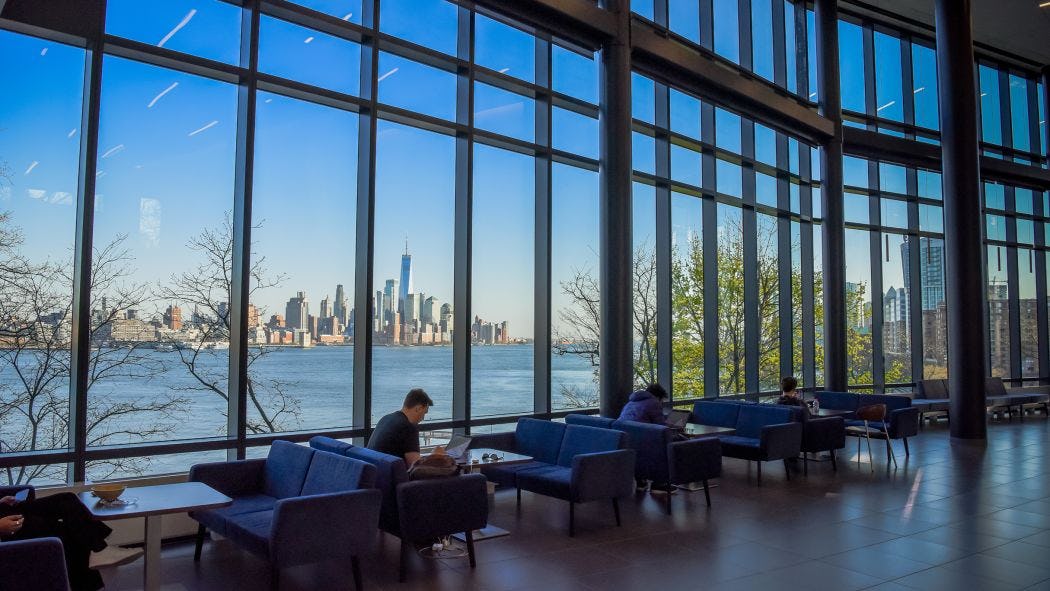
<point x="683" y="17"/>
<point x="503" y="112"/>
<point x="504" y="210"/>
<point x="400" y="80"/>
<point x="162" y="243"/>
<point x="503" y="48"/>
<point x="574" y="74"/>
<point x="305" y="177"/>
<point x="998" y="312"/>
<point x="414" y="248"/>
<point x="687" y="296"/>
<point x="851" y="62"/>
<point x="39" y="152"/>
<point x="1019" y="111"/>
<point x="730" y="300"/>
<point x="308" y="56"/>
<point x="762" y="37"/>
<point x="575" y="304"/>
<point x="991" y="118"/>
<point x="934" y="306"/>
<point x="768" y="304"/>
<point x="1029" y="313"/>
<point x="896" y="311"/>
<point x="727" y="27"/>
<point x="430" y="23"/>
<point x="888" y="92"/>
<point x="858" y="308"/>
<point x="644" y="273"/>
<point x="924" y="80"/>
<point x="208" y="28"/>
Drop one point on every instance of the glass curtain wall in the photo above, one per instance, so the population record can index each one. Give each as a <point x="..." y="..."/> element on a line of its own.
<point x="724" y="208"/>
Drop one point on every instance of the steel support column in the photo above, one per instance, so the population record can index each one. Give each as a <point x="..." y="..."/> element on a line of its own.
<point x="962" y="218"/>
<point x="834" y="232"/>
<point x="616" y="373"/>
<point x="1046" y="112"/>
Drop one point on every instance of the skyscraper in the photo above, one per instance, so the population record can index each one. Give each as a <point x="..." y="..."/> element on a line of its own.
<point x="297" y="311"/>
<point x="931" y="269"/>
<point x="390" y="301"/>
<point x="406" y="279"/>
<point x="339" y="307"/>
<point x="326" y="308"/>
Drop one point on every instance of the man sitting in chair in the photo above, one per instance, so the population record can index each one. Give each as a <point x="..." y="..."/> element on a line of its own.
<point x="397" y="433"/>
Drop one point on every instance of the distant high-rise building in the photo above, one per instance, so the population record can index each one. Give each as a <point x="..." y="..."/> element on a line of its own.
<point x="173" y="317"/>
<point x="297" y="312"/>
<point x="446" y="320"/>
<point x="312" y="326"/>
<point x="339" y="309"/>
<point x="276" y="321"/>
<point x="412" y="306"/>
<point x="253" y="316"/>
<point x="326" y="308"/>
<point x="931" y="269"/>
<point x="406" y="279"/>
<point x="430" y="312"/>
<point x="390" y="301"/>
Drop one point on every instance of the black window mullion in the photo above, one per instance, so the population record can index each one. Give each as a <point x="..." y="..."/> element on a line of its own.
<point x="707" y="26"/>
<point x="752" y="314"/>
<point x="913" y="278"/>
<point x="870" y="97"/>
<point x="907" y="85"/>
<point x="541" y="402"/>
<point x="780" y="50"/>
<point x="877" y="254"/>
<point x="1004" y="108"/>
<point x="745" y="36"/>
<point x="710" y="245"/>
<point x="462" y="280"/>
<point x="664" y="367"/>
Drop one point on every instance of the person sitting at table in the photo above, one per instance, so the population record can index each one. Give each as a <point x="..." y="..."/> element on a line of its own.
<point x="63" y="516"/>
<point x="646" y="406"/>
<point x="790" y="394"/>
<point x="397" y="434"/>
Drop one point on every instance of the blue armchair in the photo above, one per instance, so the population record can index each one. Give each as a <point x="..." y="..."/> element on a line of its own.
<point x="297" y="506"/>
<point x="33" y="565"/>
<point x="423" y="510"/>
<point x="822" y="434"/>
<point x="696" y="460"/>
<point x="902" y="416"/>
<point x="764" y="432"/>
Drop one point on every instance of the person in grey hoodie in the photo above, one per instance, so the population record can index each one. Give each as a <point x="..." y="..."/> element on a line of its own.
<point x="646" y="406"/>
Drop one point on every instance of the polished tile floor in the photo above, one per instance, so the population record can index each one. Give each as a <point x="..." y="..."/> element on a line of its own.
<point x="950" y="517"/>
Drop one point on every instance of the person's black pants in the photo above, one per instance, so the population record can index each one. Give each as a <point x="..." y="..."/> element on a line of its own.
<point x="63" y="516"/>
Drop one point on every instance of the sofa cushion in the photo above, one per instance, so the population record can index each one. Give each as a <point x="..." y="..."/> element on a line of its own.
<point x="712" y="412"/>
<point x="390" y="471"/>
<point x="251" y="531"/>
<point x="745" y="448"/>
<point x="590" y="421"/>
<point x="330" y="445"/>
<point x="508" y="475"/>
<point x="930" y="405"/>
<point x="933" y="389"/>
<point x="217" y="519"/>
<point x="877" y="425"/>
<point x="330" y="473"/>
<point x="752" y="418"/>
<point x="838" y="400"/>
<point x="540" y="439"/>
<point x="553" y="481"/>
<point x="584" y="440"/>
<point x="285" y="471"/>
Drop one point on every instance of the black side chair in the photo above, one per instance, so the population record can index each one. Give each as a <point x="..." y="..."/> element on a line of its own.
<point x="430" y="509"/>
<point x="874" y="417"/>
<point x="696" y="460"/>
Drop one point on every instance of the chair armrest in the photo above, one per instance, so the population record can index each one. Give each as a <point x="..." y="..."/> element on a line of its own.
<point x="40" y="563"/>
<point x="824" y="434"/>
<point x="501" y="441"/>
<point x="602" y="475"/>
<point x="781" y="441"/>
<point x="694" y="460"/>
<point x="231" y="478"/>
<point x="324" y="527"/>
<point x="430" y="509"/>
<point x="904" y="422"/>
<point x="10" y="491"/>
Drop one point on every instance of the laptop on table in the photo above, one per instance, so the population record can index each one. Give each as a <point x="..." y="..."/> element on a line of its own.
<point x="677" y="419"/>
<point x="457" y="447"/>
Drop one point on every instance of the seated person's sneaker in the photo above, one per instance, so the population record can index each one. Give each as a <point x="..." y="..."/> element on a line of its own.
<point x="114" y="556"/>
<point x="663" y="489"/>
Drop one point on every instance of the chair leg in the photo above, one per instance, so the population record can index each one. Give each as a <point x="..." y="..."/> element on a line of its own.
<point x="275" y="578"/>
<point x="572" y="519"/>
<point x="667" y="501"/>
<point x="201" y="530"/>
<point x="834" y="465"/>
<point x="616" y="507"/>
<point x="889" y="446"/>
<point x="519" y="498"/>
<point x="871" y="460"/>
<point x="787" y="469"/>
<point x="470" y="548"/>
<point x="403" y="569"/>
<point x="858" y="452"/>
<point x="355" y="567"/>
<point x="759" y="464"/>
<point x="907" y="452"/>
<point x="805" y="464"/>
<point x="707" y="493"/>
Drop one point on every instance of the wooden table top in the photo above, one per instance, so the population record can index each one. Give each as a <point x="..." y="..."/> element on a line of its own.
<point x="157" y="500"/>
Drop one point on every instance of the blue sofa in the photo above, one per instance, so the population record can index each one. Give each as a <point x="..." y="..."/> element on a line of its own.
<point x="653" y="460"/>
<point x="423" y="510"/>
<point x="902" y="417"/>
<point x="574" y="463"/>
<point x="764" y="432"/>
<point x="931" y="396"/>
<point x="998" y="396"/>
<point x="297" y="506"/>
<point x="33" y="565"/>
